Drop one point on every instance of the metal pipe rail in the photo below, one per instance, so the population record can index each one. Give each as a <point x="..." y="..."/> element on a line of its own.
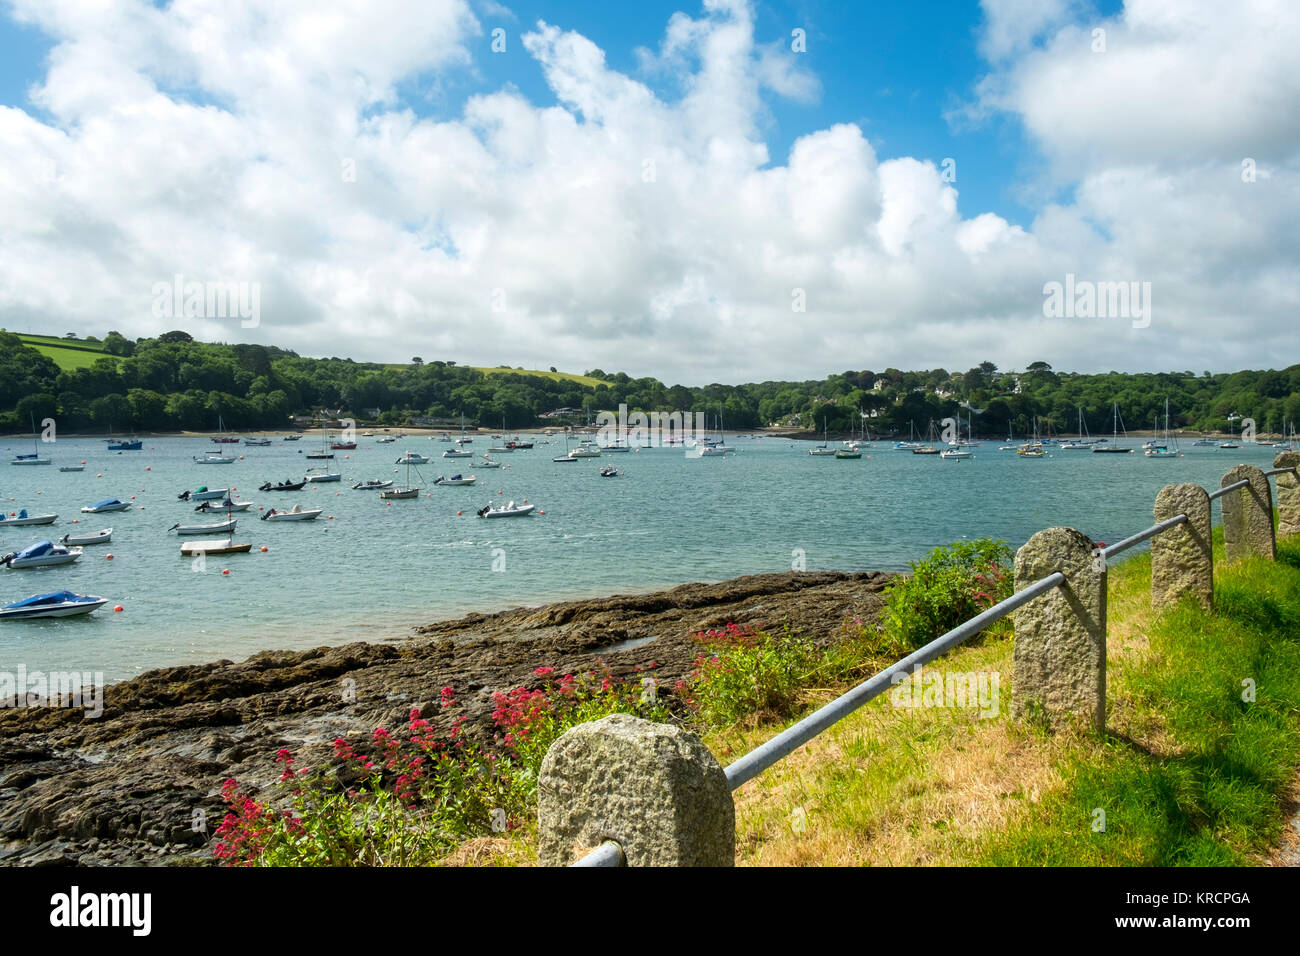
<point x="1283" y="471"/>
<point x="1120" y="547"/>
<point x="1232" y="487"/>
<point x="794" y="737"/>
<point x="608" y="853"/>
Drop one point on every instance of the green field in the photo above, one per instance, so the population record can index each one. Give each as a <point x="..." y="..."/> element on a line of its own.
<point x="64" y="356"/>
<point x="586" y="380"/>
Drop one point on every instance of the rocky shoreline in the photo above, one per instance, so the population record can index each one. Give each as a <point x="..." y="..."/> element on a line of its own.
<point x="128" y="787"/>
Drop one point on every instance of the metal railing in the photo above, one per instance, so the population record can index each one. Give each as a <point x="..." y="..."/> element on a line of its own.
<point x="792" y="738"/>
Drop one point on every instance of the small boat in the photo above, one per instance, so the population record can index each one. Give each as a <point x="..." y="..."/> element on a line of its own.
<point x="40" y="555"/>
<point x="396" y="493"/>
<point x="457" y="454"/>
<point x="510" y="510"/>
<point x="53" y="604"/>
<point x="1230" y="444"/>
<point x="609" y="471"/>
<point x="108" y="504"/>
<point x="218" y="546"/>
<point x="1204" y="443"/>
<point x="320" y="474"/>
<point x="217" y="528"/>
<point x="291" y="438"/>
<point x="23" y="518"/>
<point x="214" y="458"/>
<point x="72" y="468"/>
<point x="855" y="453"/>
<point x="228" y="505"/>
<point x="956" y="454"/>
<point x="455" y="480"/>
<point x="257" y="442"/>
<point x="296" y="513"/>
<point x="413" y="458"/>
<point x="489" y="463"/>
<point x="35" y="457"/>
<point x="80" y="540"/>
<point x="1030" y="451"/>
<point x="586" y="449"/>
<point x="201" y="493"/>
<point x="615" y="448"/>
<point x="284" y="486"/>
<point x="518" y="445"/>
<point x="385" y="440"/>
<point x="126" y="445"/>
<point x="374" y="484"/>
<point x="500" y="449"/>
<point x="343" y="445"/>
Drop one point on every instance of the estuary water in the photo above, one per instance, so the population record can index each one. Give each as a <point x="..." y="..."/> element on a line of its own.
<point x="371" y="570"/>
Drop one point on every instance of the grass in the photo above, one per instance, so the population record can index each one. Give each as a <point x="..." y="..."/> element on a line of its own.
<point x="1187" y="774"/>
<point x="586" y="380"/>
<point x="65" y="357"/>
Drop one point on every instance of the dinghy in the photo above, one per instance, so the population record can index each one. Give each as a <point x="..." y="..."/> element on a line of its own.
<point x="23" y="518"/>
<point x="219" y="546"/>
<point x="40" y="555"/>
<point x="510" y="510"/>
<point x="284" y="486"/>
<point x="296" y="513"/>
<point x="227" y="505"/>
<point x="108" y="504"/>
<point x="96" y="537"/>
<point x="217" y="528"/>
<point x="201" y="493"/>
<point x="374" y="484"/>
<point x="54" y="604"/>
<point x="455" y="480"/>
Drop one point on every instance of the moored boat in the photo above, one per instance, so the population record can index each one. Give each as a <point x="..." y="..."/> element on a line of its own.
<point x="218" y="528"/>
<point x="455" y="480"/>
<point x="53" y="604"/>
<point x="98" y="537"/>
<point x="296" y="513"/>
<point x="510" y="510"/>
<point x="108" y="504"/>
<point x="22" y="518"/>
<point x="374" y="484"/>
<point x="201" y="493"/>
<point x="39" y="555"/>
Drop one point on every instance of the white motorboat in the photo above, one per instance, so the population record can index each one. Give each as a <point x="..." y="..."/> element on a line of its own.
<point x="956" y="454"/>
<point x="23" y="518"/>
<point x="214" y="458"/>
<point x="510" y="510"/>
<point x="586" y="449"/>
<point x="385" y="440"/>
<point x="218" y="528"/>
<point x="412" y="458"/>
<point x="96" y="537"/>
<point x="201" y="493"/>
<point x="457" y="454"/>
<point x="455" y="480"/>
<point x="108" y="504"/>
<point x="296" y="513"/>
<point x="321" y="475"/>
<point x="489" y="463"/>
<point x="40" y="555"/>
<point x="53" y="604"/>
<point x="207" y="507"/>
<point x="374" y="484"/>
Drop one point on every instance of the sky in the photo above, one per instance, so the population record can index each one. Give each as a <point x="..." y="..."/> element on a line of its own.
<point x="717" y="191"/>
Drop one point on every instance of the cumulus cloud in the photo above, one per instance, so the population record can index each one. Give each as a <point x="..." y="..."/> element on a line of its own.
<point x="639" y="224"/>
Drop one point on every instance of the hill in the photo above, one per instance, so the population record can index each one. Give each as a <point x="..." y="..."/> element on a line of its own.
<point x="67" y="354"/>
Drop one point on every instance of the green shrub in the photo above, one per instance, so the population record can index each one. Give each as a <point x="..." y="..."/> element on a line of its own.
<point x="950" y="586"/>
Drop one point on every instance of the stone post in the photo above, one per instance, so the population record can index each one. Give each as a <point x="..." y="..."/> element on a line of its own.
<point x="653" y="788"/>
<point x="1182" y="558"/>
<point x="1288" y="495"/>
<point x="1248" y="515"/>
<point x="1060" y="636"/>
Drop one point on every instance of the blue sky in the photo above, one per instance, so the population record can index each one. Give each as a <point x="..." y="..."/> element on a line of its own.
<point x="729" y="210"/>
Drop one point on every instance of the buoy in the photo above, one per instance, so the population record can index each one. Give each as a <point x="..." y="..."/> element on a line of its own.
<point x="117" y="607"/>
<point x="147" y="469"/>
<point x="331" y="517"/>
<point x="76" y="521"/>
<point x="388" y="503"/>
<point x="541" y="512"/>
<point x="264" y="549"/>
<point x="133" y="497"/>
<point x="225" y="570"/>
<point x="109" y="556"/>
<point x="459" y="512"/>
<point x="99" y="476"/>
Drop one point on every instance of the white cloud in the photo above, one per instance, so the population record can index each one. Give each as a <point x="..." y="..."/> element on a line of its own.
<point x="633" y="229"/>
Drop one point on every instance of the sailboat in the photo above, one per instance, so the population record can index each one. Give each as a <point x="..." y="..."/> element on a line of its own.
<point x="824" y="449"/>
<point x="1084" y="440"/>
<point x="404" y="491"/>
<point x="35" y="457"/>
<point x="1163" y="450"/>
<point x="927" y="447"/>
<point x="324" y="452"/>
<point x="567" y="455"/>
<point x="1113" y="449"/>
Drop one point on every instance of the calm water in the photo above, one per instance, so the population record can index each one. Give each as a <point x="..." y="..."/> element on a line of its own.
<point x="377" y="569"/>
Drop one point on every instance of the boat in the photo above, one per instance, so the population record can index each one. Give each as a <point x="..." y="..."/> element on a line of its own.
<point x="296" y="513"/>
<point x="1161" y="449"/>
<point x="108" y="504"/>
<point x="125" y="445"/>
<point x="489" y="463"/>
<point x="518" y="445"/>
<point x="222" y="438"/>
<point x="1204" y="443"/>
<point x="1110" y="449"/>
<point x="23" y="518"/>
<point x="1030" y="450"/>
<point x="586" y="449"/>
<point x="283" y="486"/>
<point x="615" y="448"/>
<point x="201" y="493"/>
<point x="510" y="510"/>
<point x="324" y="453"/>
<point x="220" y="526"/>
<point x="500" y="449"/>
<point x="412" y="458"/>
<point x="449" y="453"/>
<point x="228" y="505"/>
<point x="609" y="471"/>
<point x="291" y="438"/>
<point x="214" y="547"/>
<point x="53" y="604"/>
<point x="35" y="457"/>
<point x="374" y="484"/>
<point x="385" y="440"/>
<point x="404" y="492"/>
<point x="567" y="457"/>
<point x="323" y="475"/>
<point x="214" y="458"/>
<point x="81" y="540"/>
<point x="40" y="555"/>
<point x="956" y="454"/>
<point x="824" y="450"/>
<point x="455" y="480"/>
<point x="257" y="442"/>
<point x="343" y="445"/>
<point x="852" y="452"/>
<point x="927" y="447"/>
<point x="72" y="468"/>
